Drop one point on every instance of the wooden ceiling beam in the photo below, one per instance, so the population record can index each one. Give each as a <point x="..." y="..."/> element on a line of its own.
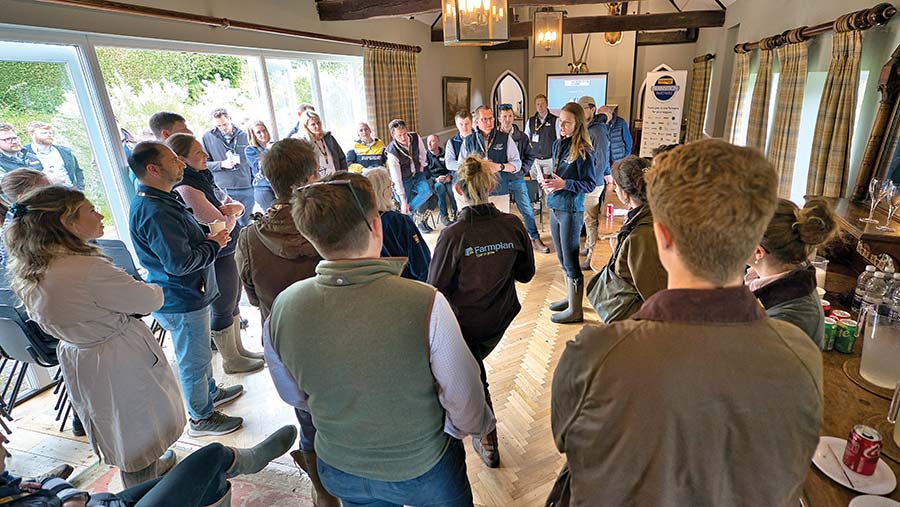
<point x="630" y="23"/>
<point x="347" y="10"/>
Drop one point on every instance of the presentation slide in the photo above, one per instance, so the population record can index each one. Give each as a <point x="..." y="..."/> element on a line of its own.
<point x="562" y="88"/>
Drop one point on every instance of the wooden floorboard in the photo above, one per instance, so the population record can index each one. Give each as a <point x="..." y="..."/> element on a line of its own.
<point x="520" y="371"/>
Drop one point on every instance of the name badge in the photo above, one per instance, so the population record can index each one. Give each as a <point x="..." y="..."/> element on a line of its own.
<point x="535" y="138"/>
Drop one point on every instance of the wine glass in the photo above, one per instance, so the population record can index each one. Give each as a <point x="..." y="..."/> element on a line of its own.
<point x="877" y="189"/>
<point x="893" y="199"/>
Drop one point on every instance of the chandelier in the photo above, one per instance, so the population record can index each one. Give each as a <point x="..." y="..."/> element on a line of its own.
<point x="475" y="22"/>
<point x="547" y="33"/>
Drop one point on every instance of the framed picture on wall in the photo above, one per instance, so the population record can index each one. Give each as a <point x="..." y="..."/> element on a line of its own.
<point x="457" y="96"/>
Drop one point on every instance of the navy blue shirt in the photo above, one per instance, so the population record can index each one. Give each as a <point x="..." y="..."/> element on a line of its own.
<point x="204" y="182"/>
<point x="172" y="246"/>
<point x="579" y="175"/>
<point x="402" y="239"/>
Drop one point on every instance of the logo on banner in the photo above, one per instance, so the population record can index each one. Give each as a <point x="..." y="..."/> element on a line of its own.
<point x="665" y="88"/>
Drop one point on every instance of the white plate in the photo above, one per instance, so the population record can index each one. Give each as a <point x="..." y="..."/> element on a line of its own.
<point x="882" y="482"/>
<point x="873" y="501"/>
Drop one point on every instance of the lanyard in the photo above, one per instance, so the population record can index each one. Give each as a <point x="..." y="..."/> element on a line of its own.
<point x="536" y="120"/>
<point x="479" y="142"/>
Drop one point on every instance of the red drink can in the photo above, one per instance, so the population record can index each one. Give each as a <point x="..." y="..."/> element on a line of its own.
<point x="610" y="210"/>
<point x="826" y="307"/>
<point x="863" y="449"/>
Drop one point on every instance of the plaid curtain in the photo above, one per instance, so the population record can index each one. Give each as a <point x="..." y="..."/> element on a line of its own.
<point x="699" y="99"/>
<point x="392" y="88"/>
<point x="736" y="121"/>
<point x="792" y="83"/>
<point x="829" y="164"/>
<point x="758" y="122"/>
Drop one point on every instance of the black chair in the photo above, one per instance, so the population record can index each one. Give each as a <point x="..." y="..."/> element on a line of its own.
<point x="536" y="196"/>
<point x="121" y="257"/>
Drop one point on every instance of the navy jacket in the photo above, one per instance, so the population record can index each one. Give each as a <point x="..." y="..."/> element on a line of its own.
<point x="437" y="165"/>
<point x="598" y="131"/>
<point x="579" y="176"/>
<point x="253" y="154"/>
<point x="620" y="142"/>
<point x="203" y="181"/>
<point x="215" y="145"/>
<point x="526" y="153"/>
<point x="172" y="246"/>
<point x="23" y="159"/>
<point x="402" y="239"/>
<point x="76" y="175"/>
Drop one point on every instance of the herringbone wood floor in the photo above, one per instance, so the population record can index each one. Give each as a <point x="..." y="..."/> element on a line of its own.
<point x="520" y="371"/>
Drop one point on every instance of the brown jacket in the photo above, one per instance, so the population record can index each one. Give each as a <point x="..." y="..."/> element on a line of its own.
<point x="699" y="400"/>
<point x="271" y="255"/>
<point x="638" y="261"/>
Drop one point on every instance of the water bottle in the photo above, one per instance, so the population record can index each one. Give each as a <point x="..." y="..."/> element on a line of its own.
<point x="875" y="290"/>
<point x="895" y="306"/>
<point x="861" y="284"/>
<point x="889" y="280"/>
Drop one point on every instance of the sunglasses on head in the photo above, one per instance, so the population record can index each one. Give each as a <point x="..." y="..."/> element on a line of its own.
<point x="349" y="185"/>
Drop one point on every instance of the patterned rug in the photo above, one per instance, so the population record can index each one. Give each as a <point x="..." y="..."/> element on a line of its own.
<point x="280" y="484"/>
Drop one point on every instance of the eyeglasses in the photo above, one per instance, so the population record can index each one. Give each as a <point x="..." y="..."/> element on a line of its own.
<point x="348" y="184"/>
<point x="8" y="139"/>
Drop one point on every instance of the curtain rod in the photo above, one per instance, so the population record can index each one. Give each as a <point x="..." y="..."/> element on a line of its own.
<point x="197" y="19"/>
<point x="858" y="20"/>
<point x="705" y="58"/>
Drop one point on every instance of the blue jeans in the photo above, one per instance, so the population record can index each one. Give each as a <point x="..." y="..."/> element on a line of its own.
<point x="418" y="191"/>
<point x="190" y="338"/>
<point x="565" y="228"/>
<point x="444" y="193"/>
<point x="518" y="191"/>
<point x="245" y="197"/>
<point x="264" y="196"/>
<point x="307" y="430"/>
<point x="445" y="485"/>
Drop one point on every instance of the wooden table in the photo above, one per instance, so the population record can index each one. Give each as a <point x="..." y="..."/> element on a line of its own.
<point x="846" y="404"/>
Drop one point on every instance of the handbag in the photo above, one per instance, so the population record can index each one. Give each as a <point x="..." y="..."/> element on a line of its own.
<point x="612" y="297"/>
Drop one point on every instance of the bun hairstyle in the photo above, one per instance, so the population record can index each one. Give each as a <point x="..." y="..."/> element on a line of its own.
<point x="793" y="233"/>
<point x="628" y="173"/>
<point x="475" y="180"/>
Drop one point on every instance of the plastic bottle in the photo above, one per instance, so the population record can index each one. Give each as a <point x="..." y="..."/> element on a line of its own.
<point x="895" y="306"/>
<point x="889" y="280"/>
<point x="861" y="284"/>
<point x="872" y="302"/>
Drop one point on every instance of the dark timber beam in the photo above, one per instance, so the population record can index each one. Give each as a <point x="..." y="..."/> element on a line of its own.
<point x="630" y="23"/>
<point x="513" y="44"/>
<point x="668" y="37"/>
<point x="346" y="10"/>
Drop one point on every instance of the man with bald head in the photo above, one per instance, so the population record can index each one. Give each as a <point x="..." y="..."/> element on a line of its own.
<point x="441" y="179"/>
<point x="368" y="150"/>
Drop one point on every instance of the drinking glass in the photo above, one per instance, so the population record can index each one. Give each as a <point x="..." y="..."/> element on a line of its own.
<point x="876" y="193"/>
<point x="893" y="200"/>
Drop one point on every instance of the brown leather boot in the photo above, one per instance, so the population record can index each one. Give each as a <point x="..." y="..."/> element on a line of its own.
<point x="488" y="449"/>
<point x="306" y="461"/>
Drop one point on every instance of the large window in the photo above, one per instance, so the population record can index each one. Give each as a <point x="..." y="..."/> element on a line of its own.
<point x="44" y="94"/>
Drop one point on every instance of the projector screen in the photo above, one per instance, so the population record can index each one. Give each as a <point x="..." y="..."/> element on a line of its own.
<point x="562" y="88"/>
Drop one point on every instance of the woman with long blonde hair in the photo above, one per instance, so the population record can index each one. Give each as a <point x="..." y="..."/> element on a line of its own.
<point x="118" y="378"/>
<point x="473" y="260"/>
<point x="572" y="177"/>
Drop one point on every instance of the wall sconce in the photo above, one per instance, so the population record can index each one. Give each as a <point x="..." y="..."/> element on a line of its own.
<point x="475" y="22"/>
<point x="547" y="33"/>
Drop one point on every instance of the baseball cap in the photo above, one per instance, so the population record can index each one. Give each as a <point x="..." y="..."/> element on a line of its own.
<point x="586" y="101"/>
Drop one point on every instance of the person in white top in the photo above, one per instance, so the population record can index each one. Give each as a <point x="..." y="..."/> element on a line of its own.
<point x="407" y="159"/>
<point x="331" y="157"/>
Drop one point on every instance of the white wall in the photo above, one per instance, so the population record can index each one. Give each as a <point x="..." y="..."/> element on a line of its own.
<point x="434" y="61"/>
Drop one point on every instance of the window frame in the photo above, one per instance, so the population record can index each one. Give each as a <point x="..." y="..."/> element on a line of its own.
<point x="108" y="149"/>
